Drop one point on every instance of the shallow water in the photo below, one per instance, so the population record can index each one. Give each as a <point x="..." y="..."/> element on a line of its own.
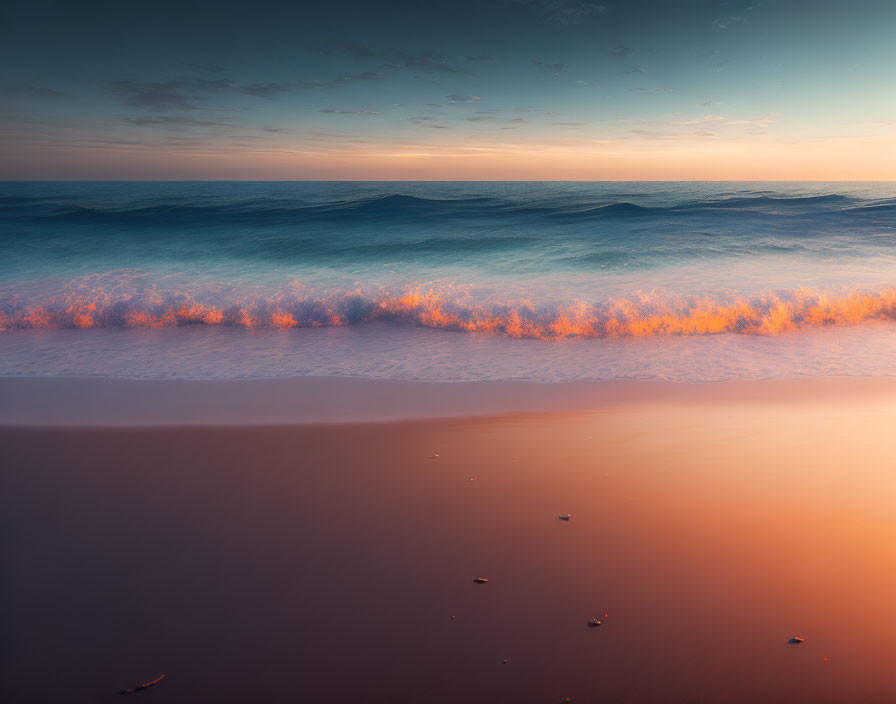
<point x="441" y="281"/>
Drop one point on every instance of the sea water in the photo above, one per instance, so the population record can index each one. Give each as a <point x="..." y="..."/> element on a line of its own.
<point x="448" y="281"/>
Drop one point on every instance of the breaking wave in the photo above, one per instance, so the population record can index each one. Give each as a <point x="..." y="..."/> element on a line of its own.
<point x="638" y="315"/>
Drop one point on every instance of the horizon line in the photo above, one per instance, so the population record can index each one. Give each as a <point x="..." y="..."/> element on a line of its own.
<point x="370" y="180"/>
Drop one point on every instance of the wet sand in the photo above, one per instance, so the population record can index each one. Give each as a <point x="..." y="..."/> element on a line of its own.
<point x="324" y="563"/>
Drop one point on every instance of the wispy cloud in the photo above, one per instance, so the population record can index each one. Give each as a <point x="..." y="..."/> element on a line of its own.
<point x="29" y="90"/>
<point x="427" y="61"/>
<point x="211" y="68"/>
<point x="554" y="68"/>
<point x="620" y="51"/>
<point x="463" y="98"/>
<point x="740" y="6"/>
<point x="267" y="89"/>
<point x="172" y="120"/>
<point x="179" y="94"/>
<point x="480" y="58"/>
<point x="188" y="93"/>
<point x="429" y="121"/>
<point x="560" y="11"/>
<point x="350" y="112"/>
<point x="759" y="121"/>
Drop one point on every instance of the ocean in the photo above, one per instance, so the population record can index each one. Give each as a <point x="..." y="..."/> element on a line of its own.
<point x="443" y="281"/>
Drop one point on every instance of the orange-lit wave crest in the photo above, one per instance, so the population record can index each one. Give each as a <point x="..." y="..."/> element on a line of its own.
<point x="642" y="315"/>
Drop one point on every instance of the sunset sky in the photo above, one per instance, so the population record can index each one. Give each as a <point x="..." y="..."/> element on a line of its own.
<point x="497" y="89"/>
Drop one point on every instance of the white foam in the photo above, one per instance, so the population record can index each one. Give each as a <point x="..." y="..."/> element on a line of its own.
<point x="384" y="351"/>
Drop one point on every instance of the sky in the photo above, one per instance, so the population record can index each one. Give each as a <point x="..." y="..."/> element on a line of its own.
<point x="487" y="90"/>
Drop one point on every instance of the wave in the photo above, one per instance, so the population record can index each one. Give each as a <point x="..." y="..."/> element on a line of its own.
<point x="763" y="200"/>
<point x="639" y="315"/>
<point x="399" y="207"/>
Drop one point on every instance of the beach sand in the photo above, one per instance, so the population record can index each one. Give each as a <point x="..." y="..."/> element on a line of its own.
<point x="324" y="563"/>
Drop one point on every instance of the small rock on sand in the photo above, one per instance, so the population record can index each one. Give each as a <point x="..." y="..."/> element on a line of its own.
<point x="796" y="640"/>
<point x="593" y="623"/>
<point x="566" y="517"/>
<point x="480" y="580"/>
<point x="433" y="457"/>
<point x="145" y="685"/>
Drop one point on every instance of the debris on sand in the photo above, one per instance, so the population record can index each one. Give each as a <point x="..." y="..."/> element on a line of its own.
<point x="480" y="580"/>
<point x="796" y="639"/>
<point x="471" y="479"/>
<point x="452" y="617"/>
<point x="566" y="517"/>
<point x="434" y="457"/>
<point x="506" y="660"/>
<point x="145" y="685"/>
<point x="593" y="623"/>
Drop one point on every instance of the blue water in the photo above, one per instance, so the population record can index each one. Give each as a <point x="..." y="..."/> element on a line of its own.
<point x="546" y="281"/>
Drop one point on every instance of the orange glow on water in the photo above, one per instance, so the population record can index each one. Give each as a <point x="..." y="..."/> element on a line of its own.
<point x="644" y="315"/>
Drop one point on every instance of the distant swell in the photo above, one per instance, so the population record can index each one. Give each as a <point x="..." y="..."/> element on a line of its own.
<point x="398" y="207"/>
<point x="633" y="316"/>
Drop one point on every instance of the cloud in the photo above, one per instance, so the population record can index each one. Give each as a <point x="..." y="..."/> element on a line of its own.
<point x="353" y="49"/>
<point x="561" y="11"/>
<point x="765" y="120"/>
<point x="349" y="112"/>
<point x="186" y="93"/>
<point x="180" y="94"/>
<point x="211" y="68"/>
<point x="427" y="61"/>
<point x="519" y="121"/>
<point x="634" y="71"/>
<point x="653" y="134"/>
<point x="28" y="89"/>
<point x="267" y="89"/>
<point x="172" y="120"/>
<point x="160" y="99"/>
<point x="743" y="6"/>
<point x="463" y="98"/>
<point x="727" y="22"/>
<point x="556" y="68"/>
<point x="362" y="76"/>
<point x="700" y="120"/>
<point x="620" y="51"/>
<point x="429" y="121"/>
<point x="480" y="58"/>
<point x="270" y="89"/>
<point x="568" y="124"/>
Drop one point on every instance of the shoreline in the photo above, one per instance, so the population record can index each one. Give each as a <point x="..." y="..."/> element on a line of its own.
<point x="113" y="402"/>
